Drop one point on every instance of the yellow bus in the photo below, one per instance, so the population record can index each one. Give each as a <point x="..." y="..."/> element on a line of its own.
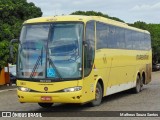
<point x="79" y="59"/>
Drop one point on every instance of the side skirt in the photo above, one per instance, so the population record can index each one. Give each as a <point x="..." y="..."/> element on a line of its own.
<point x="119" y="88"/>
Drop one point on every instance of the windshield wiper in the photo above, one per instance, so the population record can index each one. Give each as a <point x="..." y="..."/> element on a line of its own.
<point x="37" y="63"/>
<point x="52" y="64"/>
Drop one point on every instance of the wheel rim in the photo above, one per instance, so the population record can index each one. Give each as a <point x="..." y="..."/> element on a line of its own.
<point x="97" y="93"/>
<point x="138" y="84"/>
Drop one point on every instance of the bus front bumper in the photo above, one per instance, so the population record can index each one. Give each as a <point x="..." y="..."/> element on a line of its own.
<point x="61" y="97"/>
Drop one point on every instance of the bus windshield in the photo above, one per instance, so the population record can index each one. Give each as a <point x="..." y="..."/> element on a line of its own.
<point x="52" y="50"/>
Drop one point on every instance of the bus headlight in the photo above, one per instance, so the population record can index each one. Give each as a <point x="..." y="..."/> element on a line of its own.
<point x="73" y="89"/>
<point x="24" y="89"/>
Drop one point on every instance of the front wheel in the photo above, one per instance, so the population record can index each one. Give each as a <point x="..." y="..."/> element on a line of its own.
<point x="45" y="105"/>
<point x="98" y="96"/>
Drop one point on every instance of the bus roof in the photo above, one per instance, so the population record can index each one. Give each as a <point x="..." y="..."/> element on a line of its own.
<point x="81" y="18"/>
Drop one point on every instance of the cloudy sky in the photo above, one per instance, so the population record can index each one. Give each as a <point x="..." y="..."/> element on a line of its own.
<point x="128" y="10"/>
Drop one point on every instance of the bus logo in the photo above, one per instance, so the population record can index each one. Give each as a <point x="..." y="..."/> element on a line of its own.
<point x="46" y="88"/>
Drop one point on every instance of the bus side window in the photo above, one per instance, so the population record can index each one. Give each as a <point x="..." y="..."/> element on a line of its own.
<point x="120" y="38"/>
<point x="102" y="33"/>
<point x="89" y="50"/>
<point x="148" y="41"/>
<point x="112" y="42"/>
<point x="128" y="39"/>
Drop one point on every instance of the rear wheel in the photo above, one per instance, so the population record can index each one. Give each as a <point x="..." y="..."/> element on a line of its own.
<point x="139" y="85"/>
<point x="45" y="105"/>
<point x="98" y="96"/>
<point x="142" y="81"/>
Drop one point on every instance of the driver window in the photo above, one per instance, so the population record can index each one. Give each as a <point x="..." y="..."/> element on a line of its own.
<point x="89" y="50"/>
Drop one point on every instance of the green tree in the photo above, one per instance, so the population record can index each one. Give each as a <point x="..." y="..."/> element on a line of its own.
<point x="12" y="14"/>
<point x="140" y="24"/>
<point x="154" y="29"/>
<point x="4" y="53"/>
<point x="93" y="13"/>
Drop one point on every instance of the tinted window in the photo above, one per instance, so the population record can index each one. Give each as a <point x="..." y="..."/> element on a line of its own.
<point x="120" y="38"/>
<point x="147" y="41"/>
<point x="142" y="41"/>
<point x="128" y="39"/>
<point x="109" y="36"/>
<point x="135" y="40"/>
<point x="102" y="35"/>
<point x="89" y="47"/>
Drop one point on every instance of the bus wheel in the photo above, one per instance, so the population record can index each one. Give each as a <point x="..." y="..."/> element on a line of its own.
<point x="98" y="96"/>
<point x="45" y="105"/>
<point x="138" y="87"/>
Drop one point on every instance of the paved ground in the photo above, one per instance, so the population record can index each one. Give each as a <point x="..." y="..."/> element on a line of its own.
<point x="147" y="100"/>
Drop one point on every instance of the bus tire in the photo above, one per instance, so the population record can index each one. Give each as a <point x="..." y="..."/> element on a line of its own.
<point x="98" y="96"/>
<point x="142" y="82"/>
<point x="45" y="105"/>
<point x="138" y="87"/>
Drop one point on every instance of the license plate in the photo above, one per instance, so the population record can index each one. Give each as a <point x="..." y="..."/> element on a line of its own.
<point x="46" y="98"/>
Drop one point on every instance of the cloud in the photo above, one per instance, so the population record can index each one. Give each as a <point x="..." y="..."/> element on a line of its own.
<point x="146" y="7"/>
<point x="146" y="12"/>
<point x="127" y="10"/>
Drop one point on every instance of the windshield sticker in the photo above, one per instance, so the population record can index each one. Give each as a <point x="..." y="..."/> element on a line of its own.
<point x="50" y="72"/>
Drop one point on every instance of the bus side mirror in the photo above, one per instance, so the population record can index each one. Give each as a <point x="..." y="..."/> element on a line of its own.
<point x="85" y="44"/>
<point x="10" y="60"/>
